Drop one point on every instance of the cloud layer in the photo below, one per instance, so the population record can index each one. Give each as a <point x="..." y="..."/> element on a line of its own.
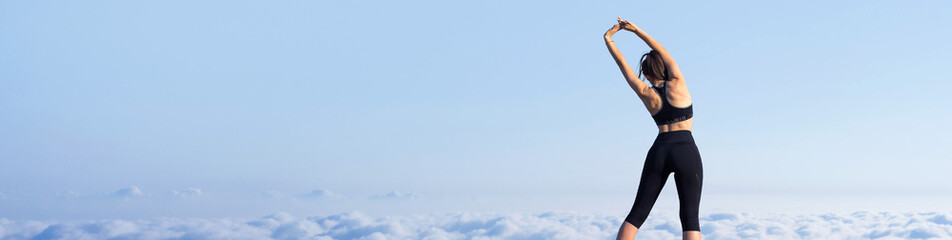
<point x="187" y="192"/>
<point x="319" y="194"/>
<point x="550" y="225"/>
<point x="129" y="192"/>
<point x="396" y="195"/>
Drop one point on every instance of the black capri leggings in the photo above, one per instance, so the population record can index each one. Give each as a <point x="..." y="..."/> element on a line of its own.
<point x="675" y="152"/>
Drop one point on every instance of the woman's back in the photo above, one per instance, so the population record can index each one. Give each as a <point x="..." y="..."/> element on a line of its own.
<point x="670" y="106"/>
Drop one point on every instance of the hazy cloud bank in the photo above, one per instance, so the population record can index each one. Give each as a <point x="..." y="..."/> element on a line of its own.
<point x="549" y="225"/>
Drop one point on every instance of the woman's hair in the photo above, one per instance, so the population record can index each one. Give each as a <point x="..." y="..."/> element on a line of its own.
<point x="652" y="66"/>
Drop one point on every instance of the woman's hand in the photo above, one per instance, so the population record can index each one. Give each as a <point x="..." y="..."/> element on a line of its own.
<point x="612" y="31"/>
<point x="625" y="24"/>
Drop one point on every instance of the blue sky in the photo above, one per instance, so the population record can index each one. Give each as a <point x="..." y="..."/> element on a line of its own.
<point x="459" y="105"/>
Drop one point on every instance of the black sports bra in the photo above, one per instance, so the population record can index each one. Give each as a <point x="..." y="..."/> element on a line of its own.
<point x="670" y="114"/>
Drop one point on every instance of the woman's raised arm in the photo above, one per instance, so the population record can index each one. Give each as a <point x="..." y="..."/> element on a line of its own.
<point x="642" y="89"/>
<point x="673" y="71"/>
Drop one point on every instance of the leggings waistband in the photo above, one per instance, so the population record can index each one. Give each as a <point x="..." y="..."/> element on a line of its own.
<point x="675" y="136"/>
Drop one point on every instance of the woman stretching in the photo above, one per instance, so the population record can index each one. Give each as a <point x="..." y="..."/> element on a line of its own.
<point x="674" y="150"/>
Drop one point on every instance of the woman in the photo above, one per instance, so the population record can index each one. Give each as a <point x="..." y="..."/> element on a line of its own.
<point x="674" y="150"/>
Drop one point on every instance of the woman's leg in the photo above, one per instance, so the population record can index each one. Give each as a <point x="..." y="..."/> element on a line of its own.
<point x="688" y="176"/>
<point x="653" y="177"/>
<point x="691" y="235"/>
<point x="627" y="231"/>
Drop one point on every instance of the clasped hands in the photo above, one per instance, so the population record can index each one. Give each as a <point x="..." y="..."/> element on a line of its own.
<point x="622" y="24"/>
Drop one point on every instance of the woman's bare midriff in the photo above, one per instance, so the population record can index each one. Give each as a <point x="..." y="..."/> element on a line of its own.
<point x="682" y="125"/>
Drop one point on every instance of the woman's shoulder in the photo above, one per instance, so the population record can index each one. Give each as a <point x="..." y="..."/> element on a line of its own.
<point x="676" y="81"/>
<point x="678" y="88"/>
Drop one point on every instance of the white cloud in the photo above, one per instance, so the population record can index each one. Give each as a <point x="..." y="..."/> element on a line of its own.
<point x="187" y="192"/>
<point x="68" y="195"/>
<point x="128" y="192"/>
<point x="550" y="225"/>
<point x="396" y="195"/>
<point x="320" y="194"/>
<point x="272" y="194"/>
